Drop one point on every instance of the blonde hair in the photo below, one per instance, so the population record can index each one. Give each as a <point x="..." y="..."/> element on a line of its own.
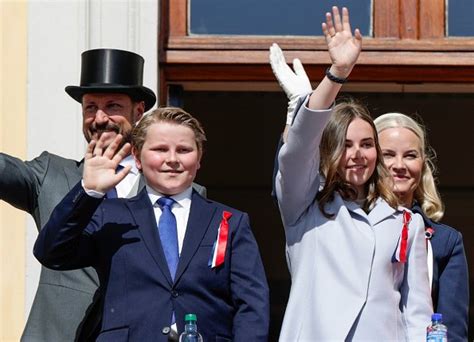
<point x="167" y="114"/>
<point x="331" y="149"/>
<point x="426" y="193"/>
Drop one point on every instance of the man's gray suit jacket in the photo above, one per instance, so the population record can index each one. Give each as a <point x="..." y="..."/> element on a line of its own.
<point x="62" y="298"/>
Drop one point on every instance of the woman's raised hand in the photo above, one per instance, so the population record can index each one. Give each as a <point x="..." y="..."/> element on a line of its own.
<point x="344" y="47"/>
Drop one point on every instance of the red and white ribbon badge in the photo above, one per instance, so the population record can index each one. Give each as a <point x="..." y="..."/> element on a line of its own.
<point x="403" y="244"/>
<point x="220" y="245"/>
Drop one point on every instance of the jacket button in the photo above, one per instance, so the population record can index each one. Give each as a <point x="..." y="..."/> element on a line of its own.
<point x="165" y="330"/>
<point x="174" y="293"/>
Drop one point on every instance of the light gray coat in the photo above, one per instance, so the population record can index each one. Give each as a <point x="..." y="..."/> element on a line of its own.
<point x="346" y="282"/>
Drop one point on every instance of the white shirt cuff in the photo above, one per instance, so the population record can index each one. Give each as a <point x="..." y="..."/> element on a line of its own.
<point x="92" y="193"/>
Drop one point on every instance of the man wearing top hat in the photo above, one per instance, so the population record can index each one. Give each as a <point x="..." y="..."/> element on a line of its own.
<point x="113" y="99"/>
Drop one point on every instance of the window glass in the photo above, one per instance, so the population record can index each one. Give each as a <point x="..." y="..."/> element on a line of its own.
<point x="272" y="17"/>
<point x="460" y="18"/>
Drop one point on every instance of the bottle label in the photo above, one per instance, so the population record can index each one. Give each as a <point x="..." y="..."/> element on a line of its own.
<point x="437" y="336"/>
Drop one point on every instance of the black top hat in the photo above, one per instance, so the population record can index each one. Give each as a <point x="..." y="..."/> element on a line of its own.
<point x="112" y="71"/>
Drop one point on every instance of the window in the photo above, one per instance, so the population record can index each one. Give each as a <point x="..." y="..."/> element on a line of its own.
<point x="405" y="41"/>
<point x="459" y="18"/>
<point x="271" y="17"/>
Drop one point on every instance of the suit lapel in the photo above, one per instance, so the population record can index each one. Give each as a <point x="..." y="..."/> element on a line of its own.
<point x="74" y="175"/>
<point x="200" y="216"/>
<point x="142" y="211"/>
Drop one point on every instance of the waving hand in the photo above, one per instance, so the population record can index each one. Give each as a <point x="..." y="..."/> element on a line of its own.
<point x="344" y="48"/>
<point x="101" y="162"/>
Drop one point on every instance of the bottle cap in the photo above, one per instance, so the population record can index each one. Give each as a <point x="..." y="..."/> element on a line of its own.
<point x="190" y="317"/>
<point x="437" y="317"/>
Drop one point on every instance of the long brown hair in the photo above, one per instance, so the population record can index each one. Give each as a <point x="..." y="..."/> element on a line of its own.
<point x="331" y="148"/>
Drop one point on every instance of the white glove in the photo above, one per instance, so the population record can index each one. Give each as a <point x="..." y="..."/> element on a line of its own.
<point x="294" y="83"/>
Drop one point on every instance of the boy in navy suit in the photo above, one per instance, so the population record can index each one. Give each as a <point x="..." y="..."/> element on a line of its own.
<point x="166" y="252"/>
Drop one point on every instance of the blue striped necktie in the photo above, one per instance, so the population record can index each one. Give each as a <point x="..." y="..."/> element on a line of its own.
<point x="112" y="193"/>
<point x="169" y="237"/>
<point x="168" y="233"/>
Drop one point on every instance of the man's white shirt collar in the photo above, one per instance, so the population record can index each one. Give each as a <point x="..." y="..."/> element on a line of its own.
<point x="129" y="160"/>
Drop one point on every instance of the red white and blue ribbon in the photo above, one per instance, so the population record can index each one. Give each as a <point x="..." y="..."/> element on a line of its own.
<point x="429" y="232"/>
<point x="401" y="254"/>
<point x="220" y="245"/>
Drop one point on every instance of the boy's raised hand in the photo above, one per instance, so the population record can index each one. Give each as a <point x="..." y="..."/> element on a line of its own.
<point x="101" y="162"/>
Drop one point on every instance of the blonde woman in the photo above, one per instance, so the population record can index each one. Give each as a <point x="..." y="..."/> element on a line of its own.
<point x="408" y="158"/>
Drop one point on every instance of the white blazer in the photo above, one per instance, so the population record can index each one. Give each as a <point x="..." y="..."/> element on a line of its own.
<point x="346" y="282"/>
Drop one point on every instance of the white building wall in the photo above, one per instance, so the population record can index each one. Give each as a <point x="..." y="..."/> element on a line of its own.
<point x="59" y="31"/>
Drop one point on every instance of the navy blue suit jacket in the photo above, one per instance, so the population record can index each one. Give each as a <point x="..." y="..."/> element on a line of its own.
<point x="119" y="238"/>
<point x="450" y="287"/>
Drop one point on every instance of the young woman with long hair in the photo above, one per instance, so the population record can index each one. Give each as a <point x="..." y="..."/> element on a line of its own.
<point x="357" y="260"/>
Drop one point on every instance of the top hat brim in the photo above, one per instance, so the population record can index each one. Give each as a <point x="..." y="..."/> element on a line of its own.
<point x="137" y="93"/>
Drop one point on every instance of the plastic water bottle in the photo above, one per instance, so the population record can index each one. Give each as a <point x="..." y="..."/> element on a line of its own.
<point x="190" y="333"/>
<point x="436" y="331"/>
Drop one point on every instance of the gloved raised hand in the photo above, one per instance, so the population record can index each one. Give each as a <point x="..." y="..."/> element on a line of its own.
<point x="294" y="82"/>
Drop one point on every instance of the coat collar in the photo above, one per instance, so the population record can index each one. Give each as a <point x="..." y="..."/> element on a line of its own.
<point x="430" y="225"/>
<point x="416" y="208"/>
<point x="381" y="210"/>
<point x="74" y="175"/>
